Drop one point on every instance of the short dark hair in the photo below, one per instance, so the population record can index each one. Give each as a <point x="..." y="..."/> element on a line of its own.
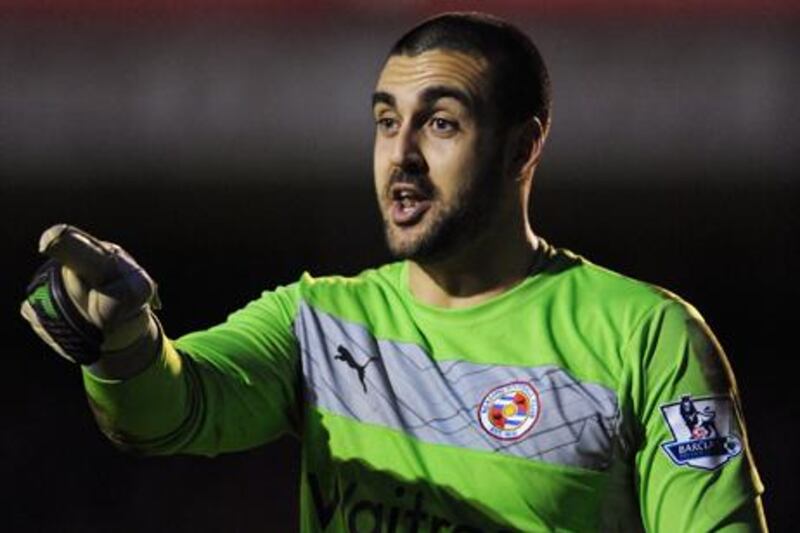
<point x="520" y="84"/>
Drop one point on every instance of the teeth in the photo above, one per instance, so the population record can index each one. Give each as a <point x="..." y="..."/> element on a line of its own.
<point x="407" y="195"/>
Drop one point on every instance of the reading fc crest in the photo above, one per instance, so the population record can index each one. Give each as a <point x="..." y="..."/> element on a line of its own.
<point x="509" y="411"/>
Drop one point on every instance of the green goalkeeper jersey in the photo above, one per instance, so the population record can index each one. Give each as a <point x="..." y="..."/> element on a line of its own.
<point x="578" y="400"/>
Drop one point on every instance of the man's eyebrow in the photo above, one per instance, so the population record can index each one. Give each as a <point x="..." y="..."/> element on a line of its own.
<point x="432" y="94"/>
<point x="429" y="96"/>
<point x="382" y="97"/>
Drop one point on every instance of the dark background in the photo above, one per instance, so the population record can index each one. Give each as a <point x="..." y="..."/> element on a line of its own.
<point x="672" y="160"/>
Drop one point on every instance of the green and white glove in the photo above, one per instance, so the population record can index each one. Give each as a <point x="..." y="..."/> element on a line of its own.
<point x="90" y="300"/>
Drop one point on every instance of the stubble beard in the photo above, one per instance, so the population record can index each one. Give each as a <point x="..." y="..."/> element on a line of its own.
<point x="453" y="225"/>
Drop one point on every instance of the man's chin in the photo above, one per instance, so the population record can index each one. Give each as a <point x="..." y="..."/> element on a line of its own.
<point x="402" y="248"/>
<point x="420" y="246"/>
<point x="405" y="242"/>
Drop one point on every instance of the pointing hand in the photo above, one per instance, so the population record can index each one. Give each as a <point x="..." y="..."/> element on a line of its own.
<point x="90" y="298"/>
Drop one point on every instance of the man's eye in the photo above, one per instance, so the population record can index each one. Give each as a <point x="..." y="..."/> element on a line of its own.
<point x="442" y="125"/>
<point x="386" y="124"/>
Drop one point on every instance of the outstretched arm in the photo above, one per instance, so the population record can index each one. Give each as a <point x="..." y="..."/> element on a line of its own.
<point x="228" y="388"/>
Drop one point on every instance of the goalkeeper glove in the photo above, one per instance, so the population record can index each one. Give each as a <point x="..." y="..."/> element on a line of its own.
<point x="90" y="299"/>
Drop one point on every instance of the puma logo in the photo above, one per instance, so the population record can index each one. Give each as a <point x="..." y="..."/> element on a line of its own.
<point x="361" y="370"/>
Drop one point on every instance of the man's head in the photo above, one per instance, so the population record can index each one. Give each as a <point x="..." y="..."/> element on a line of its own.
<point x="461" y="108"/>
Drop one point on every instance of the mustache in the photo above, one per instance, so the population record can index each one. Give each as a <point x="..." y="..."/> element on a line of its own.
<point x="420" y="180"/>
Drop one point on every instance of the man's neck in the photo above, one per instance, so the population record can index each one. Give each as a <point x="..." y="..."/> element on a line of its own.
<point x="486" y="269"/>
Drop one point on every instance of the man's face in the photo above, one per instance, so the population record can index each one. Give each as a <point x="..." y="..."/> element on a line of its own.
<point x="436" y="152"/>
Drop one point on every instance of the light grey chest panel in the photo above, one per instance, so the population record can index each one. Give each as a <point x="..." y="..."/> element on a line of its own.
<point x="538" y="412"/>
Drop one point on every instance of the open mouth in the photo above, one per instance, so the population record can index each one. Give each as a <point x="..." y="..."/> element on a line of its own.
<point x="409" y="204"/>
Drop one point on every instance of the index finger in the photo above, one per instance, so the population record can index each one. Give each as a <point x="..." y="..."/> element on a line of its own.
<point x="90" y="258"/>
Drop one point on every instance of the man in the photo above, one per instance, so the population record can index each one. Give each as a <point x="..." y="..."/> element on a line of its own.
<point x="487" y="381"/>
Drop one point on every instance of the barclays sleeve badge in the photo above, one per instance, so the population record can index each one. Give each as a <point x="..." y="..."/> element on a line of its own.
<point x="702" y="431"/>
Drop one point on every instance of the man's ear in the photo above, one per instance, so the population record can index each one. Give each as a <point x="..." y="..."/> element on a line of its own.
<point x="528" y="147"/>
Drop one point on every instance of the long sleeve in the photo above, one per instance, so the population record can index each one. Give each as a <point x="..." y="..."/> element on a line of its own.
<point x="695" y="471"/>
<point x="231" y="387"/>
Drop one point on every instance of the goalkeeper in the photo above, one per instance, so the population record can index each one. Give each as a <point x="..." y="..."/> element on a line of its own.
<point x="485" y="381"/>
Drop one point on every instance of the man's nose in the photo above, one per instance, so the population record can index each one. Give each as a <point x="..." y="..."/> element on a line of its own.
<point x="406" y="152"/>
